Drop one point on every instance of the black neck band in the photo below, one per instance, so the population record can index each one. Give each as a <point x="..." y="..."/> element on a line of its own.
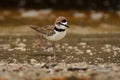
<point x="59" y="30"/>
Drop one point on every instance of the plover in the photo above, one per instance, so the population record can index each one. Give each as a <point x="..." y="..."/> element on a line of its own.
<point x="53" y="32"/>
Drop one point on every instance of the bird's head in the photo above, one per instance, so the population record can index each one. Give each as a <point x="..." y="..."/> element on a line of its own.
<point x="61" y="23"/>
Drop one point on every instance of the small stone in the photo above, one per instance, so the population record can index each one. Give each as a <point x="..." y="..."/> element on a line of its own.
<point x="10" y="49"/>
<point x="88" y="51"/>
<point x="91" y="53"/>
<point x="115" y="53"/>
<point x="57" y="46"/>
<point x="50" y="49"/>
<point x="65" y="44"/>
<point x="62" y="46"/>
<point x="48" y="43"/>
<point x="21" y="45"/>
<point x="49" y="58"/>
<point x="43" y="64"/>
<point x="5" y="46"/>
<point x="20" y="48"/>
<point x="108" y="45"/>
<point x="82" y="44"/>
<point x="70" y="47"/>
<point x="115" y="68"/>
<point x="76" y="48"/>
<point x="107" y="50"/>
<point x="24" y="40"/>
<point x="17" y="40"/>
<point x="33" y="61"/>
<point x="115" y="48"/>
<point x="79" y="52"/>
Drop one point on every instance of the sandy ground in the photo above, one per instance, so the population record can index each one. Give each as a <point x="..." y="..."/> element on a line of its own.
<point x="59" y="71"/>
<point x="78" y="57"/>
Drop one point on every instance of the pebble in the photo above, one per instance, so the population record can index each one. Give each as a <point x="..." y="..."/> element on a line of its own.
<point x="107" y="50"/>
<point x="22" y="45"/>
<point x="115" y="53"/>
<point x="50" y="49"/>
<point x="51" y="65"/>
<point x="33" y="61"/>
<point x="49" y="58"/>
<point x="70" y="47"/>
<point x="82" y="44"/>
<point x="65" y="44"/>
<point x="20" y="48"/>
<point x="57" y="46"/>
<point x="88" y="51"/>
<point x="18" y="40"/>
<point x="5" y="46"/>
<point x="11" y="49"/>
<point x="24" y="40"/>
<point x="116" y="48"/>
<point x="108" y="46"/>
<point x="79" y="52"/>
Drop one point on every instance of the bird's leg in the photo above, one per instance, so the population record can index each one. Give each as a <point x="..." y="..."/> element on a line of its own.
<point x="39" y="41"/>
<point x="54" y="50"/>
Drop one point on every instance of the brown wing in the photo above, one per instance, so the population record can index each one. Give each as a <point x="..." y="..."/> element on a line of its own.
<point x="45" y="30"/>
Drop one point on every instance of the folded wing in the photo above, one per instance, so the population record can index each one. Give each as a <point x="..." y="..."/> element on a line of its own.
<point x="45" y="30"/>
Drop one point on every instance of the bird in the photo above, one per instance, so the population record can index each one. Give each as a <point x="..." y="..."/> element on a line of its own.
<point x="54" y="32"/>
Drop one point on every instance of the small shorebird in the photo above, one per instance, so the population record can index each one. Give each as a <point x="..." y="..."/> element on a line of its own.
<point x="53" y="32"/>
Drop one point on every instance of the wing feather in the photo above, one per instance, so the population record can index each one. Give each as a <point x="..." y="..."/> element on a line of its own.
<point x="45" y="30"/>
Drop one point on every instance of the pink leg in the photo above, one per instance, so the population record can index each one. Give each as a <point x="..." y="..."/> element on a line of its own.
<point x="54" y="50"/>
<point x="38" y="42"/>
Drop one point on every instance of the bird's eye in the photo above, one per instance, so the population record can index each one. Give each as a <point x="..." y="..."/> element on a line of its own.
<point x="63" y="20"/>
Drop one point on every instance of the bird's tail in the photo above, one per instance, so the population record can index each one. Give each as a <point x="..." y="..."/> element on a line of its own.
<point x="34" y="27"/>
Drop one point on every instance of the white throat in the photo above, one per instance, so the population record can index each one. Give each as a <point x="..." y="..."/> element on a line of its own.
<point x="60" y="26"/>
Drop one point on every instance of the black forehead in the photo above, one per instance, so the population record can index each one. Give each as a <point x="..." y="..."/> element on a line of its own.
<point x="64" y="20"/>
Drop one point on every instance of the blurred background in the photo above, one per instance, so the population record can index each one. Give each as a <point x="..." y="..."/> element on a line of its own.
<point x="110" y="5"/>
<point x="102" y="14"/>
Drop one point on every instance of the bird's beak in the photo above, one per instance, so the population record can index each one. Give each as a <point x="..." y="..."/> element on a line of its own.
<point x="67" y="26"/>
<point x="64" y="25"/>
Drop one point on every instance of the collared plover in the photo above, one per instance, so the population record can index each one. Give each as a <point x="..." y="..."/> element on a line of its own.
<point x="53" y="32"/>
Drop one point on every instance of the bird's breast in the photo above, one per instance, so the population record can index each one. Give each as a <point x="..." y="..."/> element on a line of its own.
<point x="57" y="36"/>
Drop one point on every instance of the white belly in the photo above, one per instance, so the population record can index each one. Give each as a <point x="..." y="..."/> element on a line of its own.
<point x="57" y="36"/>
